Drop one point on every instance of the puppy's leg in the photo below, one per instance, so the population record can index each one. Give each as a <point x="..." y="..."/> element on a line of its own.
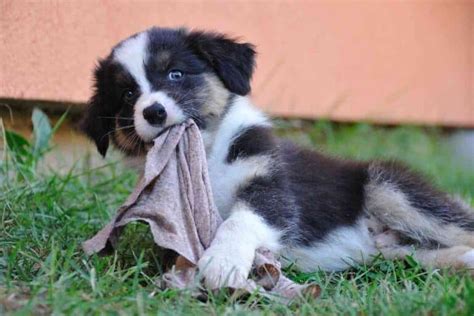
<point x="406" y="203"/>
<point x="227" y="262"/>
<point x="457" y="257"/>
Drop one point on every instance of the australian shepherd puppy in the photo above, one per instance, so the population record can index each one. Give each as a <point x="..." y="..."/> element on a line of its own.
<point x="317" y="212"/>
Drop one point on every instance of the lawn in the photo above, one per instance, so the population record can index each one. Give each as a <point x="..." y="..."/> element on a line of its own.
<point x="45" y="215"/>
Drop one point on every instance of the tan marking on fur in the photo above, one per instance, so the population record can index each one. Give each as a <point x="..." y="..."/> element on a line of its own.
<point x="386" y="203"/>
<point x="123" y="140"/>
<point x="163" y="59"/>
<point x="127" y="140"/>
<point x="120" y="77"/>
<point x="452" y="257"/>
<point x="459" y="236"/>
<point x="217" y="96"/>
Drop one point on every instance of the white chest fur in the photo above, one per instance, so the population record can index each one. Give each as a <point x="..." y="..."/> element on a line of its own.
<point x="226" y="177"/>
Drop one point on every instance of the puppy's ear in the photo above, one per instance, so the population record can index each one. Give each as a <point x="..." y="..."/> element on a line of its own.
<point x="96" y="122"/>
<point x="233" y="62"/>
<point x="95" y="127"/>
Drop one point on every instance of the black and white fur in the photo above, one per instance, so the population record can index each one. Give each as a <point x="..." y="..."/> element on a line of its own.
<point x="316" y="211"/>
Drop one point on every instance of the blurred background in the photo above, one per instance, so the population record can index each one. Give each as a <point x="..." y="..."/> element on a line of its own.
<point x="380" y="62"/>
<point x="383" y="79"/>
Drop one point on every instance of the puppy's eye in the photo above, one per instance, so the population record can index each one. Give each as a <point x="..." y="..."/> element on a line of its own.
<point x="175" y="75"/>
<point x="128" y="95"/>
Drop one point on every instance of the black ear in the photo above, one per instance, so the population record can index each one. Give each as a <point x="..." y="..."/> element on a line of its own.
<point x="233" y="62"/>
<point x="96" y="122"/>
<point x="95" y="127"/>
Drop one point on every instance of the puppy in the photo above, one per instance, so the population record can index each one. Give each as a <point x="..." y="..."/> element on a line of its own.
<point x="315" y="211"/>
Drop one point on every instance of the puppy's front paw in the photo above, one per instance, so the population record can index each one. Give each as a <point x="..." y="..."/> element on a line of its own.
<point x="220" y="267"/>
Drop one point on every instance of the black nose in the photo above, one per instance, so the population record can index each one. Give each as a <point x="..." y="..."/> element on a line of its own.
<point x="155" y="114"/>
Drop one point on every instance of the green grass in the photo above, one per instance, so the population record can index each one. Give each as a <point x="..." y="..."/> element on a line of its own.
<point x="45" y="216"/>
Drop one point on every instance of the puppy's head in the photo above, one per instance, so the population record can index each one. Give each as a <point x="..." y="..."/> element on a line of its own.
<point x="159" y="78"/>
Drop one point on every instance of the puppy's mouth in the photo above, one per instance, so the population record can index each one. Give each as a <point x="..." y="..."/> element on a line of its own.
<point x="149" y="132"/>
<point x="162" y="131"/>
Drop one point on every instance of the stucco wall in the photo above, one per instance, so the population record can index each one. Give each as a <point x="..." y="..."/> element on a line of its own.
<point x="388" y="61"/>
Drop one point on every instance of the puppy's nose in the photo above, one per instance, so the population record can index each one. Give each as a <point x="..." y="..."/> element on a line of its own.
<point x="155" y="114"/>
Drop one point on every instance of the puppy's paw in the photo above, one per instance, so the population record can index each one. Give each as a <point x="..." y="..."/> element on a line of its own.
<point x="387" y="239"/>
<point x="221" y="267"/>
<point x="467" y="259"/>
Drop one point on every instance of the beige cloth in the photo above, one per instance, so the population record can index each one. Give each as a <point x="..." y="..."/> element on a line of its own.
<point x="174" y="197"/>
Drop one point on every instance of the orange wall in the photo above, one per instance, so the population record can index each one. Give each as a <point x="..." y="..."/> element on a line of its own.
<point x="388" y="61"/>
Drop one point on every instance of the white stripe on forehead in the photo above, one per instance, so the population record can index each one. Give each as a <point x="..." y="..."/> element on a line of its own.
<point x="132" y="54"/>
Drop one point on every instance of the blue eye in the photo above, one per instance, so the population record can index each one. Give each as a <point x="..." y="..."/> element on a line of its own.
<point x="175" y="75"/>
